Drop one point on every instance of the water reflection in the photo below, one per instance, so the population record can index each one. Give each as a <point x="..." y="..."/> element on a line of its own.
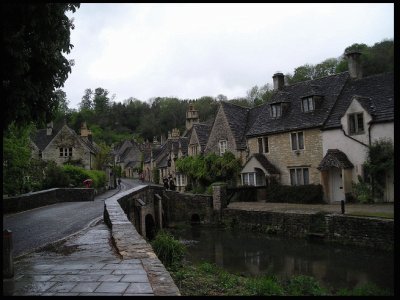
<point x="251" y="253"/>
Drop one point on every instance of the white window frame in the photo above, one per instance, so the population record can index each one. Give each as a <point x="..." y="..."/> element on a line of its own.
<point x="249" y="178"/>
<point x="297" y="141"/>
<point x="222" y="147"/>
<point x="65" y="152"/>
<point x="356" y="117"/>
<point x="308" y="104"/>
<point x="193" y="149"/>
<point x="299" y="175"/>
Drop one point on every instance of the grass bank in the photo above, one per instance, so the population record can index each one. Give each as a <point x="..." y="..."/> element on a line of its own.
<point x="207" y="279"/>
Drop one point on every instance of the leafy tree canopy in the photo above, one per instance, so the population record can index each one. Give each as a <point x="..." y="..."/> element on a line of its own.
<point x="35" y="37"/>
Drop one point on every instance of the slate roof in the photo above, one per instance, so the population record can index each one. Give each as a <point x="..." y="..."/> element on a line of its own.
<point x="203" y="132"/>
<point x="42" y="140"/>
<point x="294" y="118"/>
<point x="335" y="158"/>
<point x="375" y="93"/>
<point x="266" y="163"/>
<point x="237" y="120"/>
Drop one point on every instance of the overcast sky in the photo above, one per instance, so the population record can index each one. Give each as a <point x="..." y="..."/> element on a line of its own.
<point x="205" y="49"/>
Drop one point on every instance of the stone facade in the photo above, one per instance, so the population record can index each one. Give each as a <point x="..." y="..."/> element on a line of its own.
<point x="221" y="131"/>
<point x="283" y="157"/>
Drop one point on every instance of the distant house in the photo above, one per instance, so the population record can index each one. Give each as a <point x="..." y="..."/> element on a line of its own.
<point x="61" y="144"/>
<point x="129" y="156"/>
<point x="363" y="114"/>
<point x="198" y="137"/>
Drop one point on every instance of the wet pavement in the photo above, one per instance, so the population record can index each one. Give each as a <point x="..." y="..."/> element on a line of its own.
<point x="84" y="264"/>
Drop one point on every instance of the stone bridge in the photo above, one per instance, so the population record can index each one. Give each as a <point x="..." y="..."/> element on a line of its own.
<point x="151" y="207"/>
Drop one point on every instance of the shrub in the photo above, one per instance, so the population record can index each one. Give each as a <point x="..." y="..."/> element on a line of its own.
<point x="98" y="177"/>
<point x="305" y="286"/>
<point x="55" y="177"/>
<point x="169" y="250"/>
<point x="365" y="290"/>
<point x="264" y="286"/>
<point x="78" y="175"/>
<point x="362" y="191"/>
<point x="305" y="194"/>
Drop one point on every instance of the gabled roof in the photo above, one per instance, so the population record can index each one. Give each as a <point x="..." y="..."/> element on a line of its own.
<point x="41" y="139"/>
<point x="294" y="118"/>
<point x="203" y="132"/>
<point x="335" y="158"/>
<point x="375" y="93"/>
<point x="266" y="164"/>
<point x="237" y="119"/>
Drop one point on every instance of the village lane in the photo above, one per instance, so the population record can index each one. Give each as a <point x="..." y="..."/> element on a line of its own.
<point x="43" y="225"/>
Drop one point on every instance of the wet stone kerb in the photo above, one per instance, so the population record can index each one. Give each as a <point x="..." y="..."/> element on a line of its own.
<point x="130" y="244"/>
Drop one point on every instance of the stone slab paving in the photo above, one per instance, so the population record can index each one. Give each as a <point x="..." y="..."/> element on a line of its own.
<point x="84" y="265"/>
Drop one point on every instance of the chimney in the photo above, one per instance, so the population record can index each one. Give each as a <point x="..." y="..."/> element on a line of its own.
<point x="50" y="128"/>
<point x="354" y="63"/>
<point x="279" y="81"/>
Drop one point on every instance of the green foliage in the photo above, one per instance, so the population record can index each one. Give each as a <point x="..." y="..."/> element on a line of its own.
<point x="305" y="286"/>
<point x="102" y="157"/>
<point x="264" y="286"/>
<point x="169" y="250"/>
<point x="368" y="289"/>
<point x="204" y="170"/>
<point x="55" y="177"/>
<point x="380" y="160"/>
<point x="16" y="157"/>
<point x="306" y="194"/>
<point x="77" y="175"/>
<point x="35" y="37"/>
<point x="362" y="191"/>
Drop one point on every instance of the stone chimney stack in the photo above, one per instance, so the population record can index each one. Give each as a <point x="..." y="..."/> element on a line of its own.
<point x="279" y="81"/>
<point x="354" y="63"/>
<point x="49" y="128"/>
<point x="192" y="117"/>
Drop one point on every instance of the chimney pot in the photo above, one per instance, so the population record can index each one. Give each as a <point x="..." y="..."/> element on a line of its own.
<point x="354" y="64"/>
<point x="279" y="81"/>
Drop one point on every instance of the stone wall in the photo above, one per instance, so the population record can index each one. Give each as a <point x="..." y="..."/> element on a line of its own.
<point x="343" y="229"/>
<point x="46" y="197"/>
<point x="130" y="244"/>
<point x="180" y="207"/>
<point x="282" y="156"/>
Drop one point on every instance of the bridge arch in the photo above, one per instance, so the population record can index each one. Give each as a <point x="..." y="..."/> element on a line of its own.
<point x="150" y="226"/>
<point x="195" y="219"/>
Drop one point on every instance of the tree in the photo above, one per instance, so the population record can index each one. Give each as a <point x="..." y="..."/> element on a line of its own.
<point x="62" y="105"/>
<point x="87" y="102"/>
<point x="16" y="156"/>
<point x="35" y="37"/>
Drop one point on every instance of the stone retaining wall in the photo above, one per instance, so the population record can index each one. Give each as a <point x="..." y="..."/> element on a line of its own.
<point x="360" y="231"/>
<point x="131" y="244"/>
<point x="46" y="197"/>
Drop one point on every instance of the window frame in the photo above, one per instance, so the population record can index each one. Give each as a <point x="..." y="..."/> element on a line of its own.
<point x="263" y="146"/>
<point x="247" y="176"/>
<point x="65" y="152"/>
<point x="275" y="112"/>
<point x="223" y="145"/>
<point x="356" y="117"/>
<point x="308" y="101"/>
<point x="297" y="141"/>
<point x="299" y="174"/>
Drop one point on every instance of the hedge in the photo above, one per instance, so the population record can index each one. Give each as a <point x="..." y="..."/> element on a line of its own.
<point x="302" y="194"/>
<point x="77" y="175"/>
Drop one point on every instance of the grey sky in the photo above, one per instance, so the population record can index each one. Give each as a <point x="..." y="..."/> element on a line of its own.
<point x="205" y="49"/>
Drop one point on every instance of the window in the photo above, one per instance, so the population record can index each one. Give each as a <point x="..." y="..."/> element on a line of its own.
<point x="299" y="176"/>
<point x="222" y="147"/>
<point x="65" y="152"/>
<point x="297" y="140"/>
<point x="356" y="123"/>
<point x="180" y="180"/>
<point x="249" y="178"/>
<point x="194" y="149"/>
<point x="263" y="145"/>
<point x="307" y="104"/>
<point x="276" y="110"/>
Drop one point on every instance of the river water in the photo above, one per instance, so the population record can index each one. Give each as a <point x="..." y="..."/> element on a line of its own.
<point x="253" y="254"/>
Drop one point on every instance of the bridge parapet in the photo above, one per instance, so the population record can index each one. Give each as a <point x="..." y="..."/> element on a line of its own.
<point x="131" y="244"/>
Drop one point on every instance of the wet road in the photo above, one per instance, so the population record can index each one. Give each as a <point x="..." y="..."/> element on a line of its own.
<point x="37" y="227"/>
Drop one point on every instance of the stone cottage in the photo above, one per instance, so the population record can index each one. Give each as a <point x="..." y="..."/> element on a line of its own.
<point x="61" y="144"/>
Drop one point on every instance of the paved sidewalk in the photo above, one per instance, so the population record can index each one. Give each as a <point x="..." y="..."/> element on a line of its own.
<point x="84" y="264"/>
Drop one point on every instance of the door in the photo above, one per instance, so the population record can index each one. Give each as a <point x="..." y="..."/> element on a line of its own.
<point x="336" y="183"/>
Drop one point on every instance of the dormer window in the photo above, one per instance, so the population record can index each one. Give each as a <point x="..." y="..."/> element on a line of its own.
<point x="276" y="110"/>
<point x="356" y="123"/>
<point x="308" y="104"/>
